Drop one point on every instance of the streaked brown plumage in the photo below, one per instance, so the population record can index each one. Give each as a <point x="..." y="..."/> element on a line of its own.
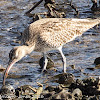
<point x="47" y="34"/>
<point x="55" y="32"/>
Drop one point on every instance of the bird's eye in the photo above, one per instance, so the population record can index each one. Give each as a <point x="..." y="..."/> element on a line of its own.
<point x="12" y="54"/>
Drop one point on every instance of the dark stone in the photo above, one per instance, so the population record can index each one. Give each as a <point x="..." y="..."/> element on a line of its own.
<point x="58" y="89"/>
<point x="47" y="95"/>
<point x="54" y="88"/>
<point x="63" y="95"/>
<point x="65" y="78"/>
<point x="88" y="86"/>
<point x="49" y="65"/>
<point x="50" y="88"/>
<point x="97" y="61"/>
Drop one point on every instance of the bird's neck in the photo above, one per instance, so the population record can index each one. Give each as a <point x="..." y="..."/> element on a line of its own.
<point x="27" y="49"/>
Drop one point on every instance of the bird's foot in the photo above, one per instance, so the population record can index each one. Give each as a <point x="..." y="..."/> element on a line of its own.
<point x="44" y="71"/>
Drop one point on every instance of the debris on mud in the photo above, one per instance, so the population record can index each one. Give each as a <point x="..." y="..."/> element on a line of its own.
<point x="7" y="92"/>
<point x="88" y="88"/>
<point x="53" y="10"/>
<point x="65" y="78"/>
<point x="95" y="5"/>
<point x="21" y="93"/>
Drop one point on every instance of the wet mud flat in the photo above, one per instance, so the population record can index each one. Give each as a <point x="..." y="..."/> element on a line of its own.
<point x="82" y="81"/>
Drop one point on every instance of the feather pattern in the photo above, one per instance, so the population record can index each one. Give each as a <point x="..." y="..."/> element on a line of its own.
<point x="52" y="33"/>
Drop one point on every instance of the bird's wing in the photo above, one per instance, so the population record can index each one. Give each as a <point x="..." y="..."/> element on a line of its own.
<point x="59" y="32"/>
<point x="56" y="31"/>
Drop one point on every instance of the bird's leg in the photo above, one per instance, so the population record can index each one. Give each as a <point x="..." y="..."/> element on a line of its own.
<point x="64" y="59"/>
<point x="44" y="62"/>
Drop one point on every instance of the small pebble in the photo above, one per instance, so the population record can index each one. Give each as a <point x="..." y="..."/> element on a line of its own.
<point x="77" y="93"/>
<point x="1" y="68"/>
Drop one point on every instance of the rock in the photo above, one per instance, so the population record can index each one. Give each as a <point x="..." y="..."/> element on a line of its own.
<point x="57" y="92"/>
<point x="7" y="89"/>
<point x="63" y="95"/>
<point x="49" y="65"/>
<point x="97" y="61"/>
<point x="58" y="89"/>
<point x="90" y="81"/>
<point x="47" y="94"/>
<point x="7" y="92"/>
<point x="1" y="68"/>
<point x="88" y="86"/>
<point x="78" y="81"/>
<point x="93" y="98"/>
<point x="65" y="78"/>
<point x="98" y="86"/>
<point x="97" y="66"/>
<point x="77" y="94"/>
<point x="54" y="88"/>
<point x="29" y="92"/>
<point x="50" y="88"/>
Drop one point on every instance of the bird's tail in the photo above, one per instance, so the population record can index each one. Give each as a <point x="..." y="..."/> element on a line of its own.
<point x="86" y="24"/>
<point x="97" y="20"/>
<point x="94" y="22"/>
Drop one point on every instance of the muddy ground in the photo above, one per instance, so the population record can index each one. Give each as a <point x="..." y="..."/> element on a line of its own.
<point x="82" y="78"/>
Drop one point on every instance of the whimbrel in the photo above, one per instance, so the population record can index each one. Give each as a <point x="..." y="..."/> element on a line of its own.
<point x="48" y="34"/>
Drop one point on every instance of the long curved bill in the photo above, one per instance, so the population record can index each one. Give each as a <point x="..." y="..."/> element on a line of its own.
<point x="7" y="71"/>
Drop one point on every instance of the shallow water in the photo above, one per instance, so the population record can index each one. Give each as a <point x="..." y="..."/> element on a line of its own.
<point x="81" y="52"/>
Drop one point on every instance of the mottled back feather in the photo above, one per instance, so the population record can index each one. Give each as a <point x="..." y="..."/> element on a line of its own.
<point x="55" y="32"/>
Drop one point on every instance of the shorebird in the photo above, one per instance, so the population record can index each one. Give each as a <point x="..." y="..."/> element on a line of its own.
<point x="48" y="34"/>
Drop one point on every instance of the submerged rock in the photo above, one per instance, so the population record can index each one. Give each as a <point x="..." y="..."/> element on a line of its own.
<point x="50" y="63"/>
<point x="64" y="78"/>
<point x="97" y="61"/>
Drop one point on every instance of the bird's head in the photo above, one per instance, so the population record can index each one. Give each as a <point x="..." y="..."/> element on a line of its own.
<point x="15" y="55"/>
